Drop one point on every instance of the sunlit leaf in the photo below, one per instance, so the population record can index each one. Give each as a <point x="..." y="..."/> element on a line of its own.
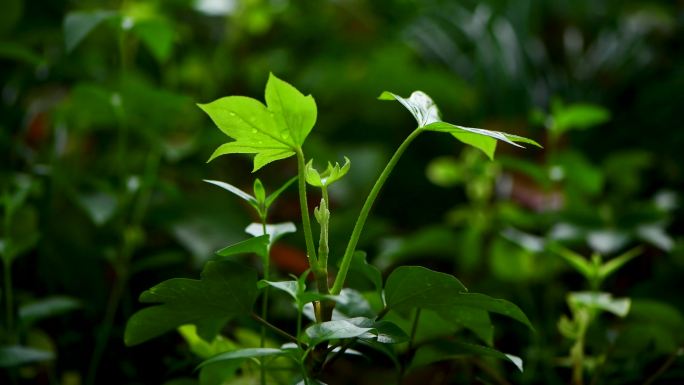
<point x="275" y="231"/>
<point x="257" y="245"/>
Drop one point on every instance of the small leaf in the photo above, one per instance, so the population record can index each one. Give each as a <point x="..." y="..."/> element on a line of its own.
<point x="226" y="290"/>
<point x="47" y="307"/>
<point x="409" y="287"/>
<point x="447" y="350"/>
<point x="275" y="231"/>
<point x="384" y="332"/>
<point x="333" y="330"/>
<point x="77" y="25"/>
<point x="271" y="198"/>
<point x="599" y="300"/>
<point x="257" y="245"/>
<point x="157" y="35"/>
<point x="614" y="264"/>
<point x="327" y="177"/>
<point x="259" y="192"/>
<point x="578" y="262"/>
<point x="243" y="354"/>
<point x="100" y="206"/>
<point x="234" y="190"/>
<point x="11" y="356"/>
<point x="578" y="116"/>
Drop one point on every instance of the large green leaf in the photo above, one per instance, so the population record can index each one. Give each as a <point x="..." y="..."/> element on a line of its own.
<point x="226" y="290"/>
<point x="271" y="133"/>
<point x="426" y="113"/>
<point x="410" y="287"/>
<point x="333" y="330"/>
<point x="448" y="350"/>
<point x="257" y="245"/>
<point x="77" y="25"/>
<point x="243" y="354"/>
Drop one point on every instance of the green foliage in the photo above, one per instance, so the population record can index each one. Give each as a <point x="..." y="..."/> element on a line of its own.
<point x="225" y="291"/>
<point x="272" y="132"/>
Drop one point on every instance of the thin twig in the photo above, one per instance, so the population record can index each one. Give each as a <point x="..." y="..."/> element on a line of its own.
<point x="274" y="328"/>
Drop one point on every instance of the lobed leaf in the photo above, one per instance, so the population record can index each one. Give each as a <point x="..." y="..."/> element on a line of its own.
<point x="226" y="290"/>
<point x="271" y="133"/>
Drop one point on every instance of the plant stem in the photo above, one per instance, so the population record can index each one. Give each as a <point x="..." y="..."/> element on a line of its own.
<point x="264" y="303"/>
<point x="414" y="328"/>
<point x="365" y="210"/>
<point x="663" y="368"/>
<point x="274" y="328"/>
<point x="306" y="222"/>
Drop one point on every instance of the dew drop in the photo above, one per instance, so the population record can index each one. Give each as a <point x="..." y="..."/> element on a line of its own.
<point x="254" y="131"/>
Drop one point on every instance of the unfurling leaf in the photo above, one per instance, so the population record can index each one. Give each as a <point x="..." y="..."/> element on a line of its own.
<point x="327" y="177"/>
<point x="426" y="113"/>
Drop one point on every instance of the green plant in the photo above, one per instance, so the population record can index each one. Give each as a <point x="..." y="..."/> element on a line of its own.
<point x="390" y="318"/>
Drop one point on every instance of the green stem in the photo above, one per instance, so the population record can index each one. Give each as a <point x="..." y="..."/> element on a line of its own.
<point x="274" y="328"/>
<point x="414" y="329"/>
<point x="323" y="249"/>
<point x="264" y="303"/>
<point x="306" y="222"/>
<point x="365" y="210"/>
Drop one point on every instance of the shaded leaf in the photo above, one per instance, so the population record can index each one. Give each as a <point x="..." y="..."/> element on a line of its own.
<point x="157" y="35"/>
<point x="47" y="307"/>
<point x="332" y="330"/>
<point x="447" y="350"/>
<point x="17" y="355"/>
<point x="409" y="287"/>
<point x="359" y="263"/>
<point x="77" y="25"/>
<point x="226" y="290"/>
<point x="257" y="245"/>
<point x="243" y="354"/>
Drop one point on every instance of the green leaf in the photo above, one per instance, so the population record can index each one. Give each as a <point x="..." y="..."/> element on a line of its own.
<point x="259" y="192"/>
<point x="17" y="355"/>
<point x="77" y="25"/>
<point x="614" y="264"/>
<point x="473" y="319"/>
<point x="257" y="245"/>
<point x="426" y="113"/>
<point x="205" y="349"/>
<point x="47" y="307"/>
<point x="271" y="198"/>
<point x="359" y="263"/>
<point x="578" y="262"/>
<point x="448" y="350"/>
<point x="384" y="332"/>
<point x="296" y="290"/>
<point x="157" y="35"/>
<point x="275" y="231"/>
<point x="410" y="287"/>
<point x="333" y="330"/>
<point x="578" y="116"/>
<point x="272" y="133"/>
<point x="294" y="112"/>
<point x="492" y="305"/>
<point x="599" y="300"/>
<point x="229" y="187"/>
<point x="226" y="290"/>
<point x="419" y="104"/>
<point x="243" y="354"/>
<point x="327" y="177"/>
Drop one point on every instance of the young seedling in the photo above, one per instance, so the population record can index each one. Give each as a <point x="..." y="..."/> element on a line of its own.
<point x="342" y="319"/>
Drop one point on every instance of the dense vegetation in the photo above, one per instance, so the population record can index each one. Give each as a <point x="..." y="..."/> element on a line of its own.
<point x="104" y="152"/>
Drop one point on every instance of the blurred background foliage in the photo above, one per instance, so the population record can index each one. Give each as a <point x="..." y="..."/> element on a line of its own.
<point x="103" y="154"/>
